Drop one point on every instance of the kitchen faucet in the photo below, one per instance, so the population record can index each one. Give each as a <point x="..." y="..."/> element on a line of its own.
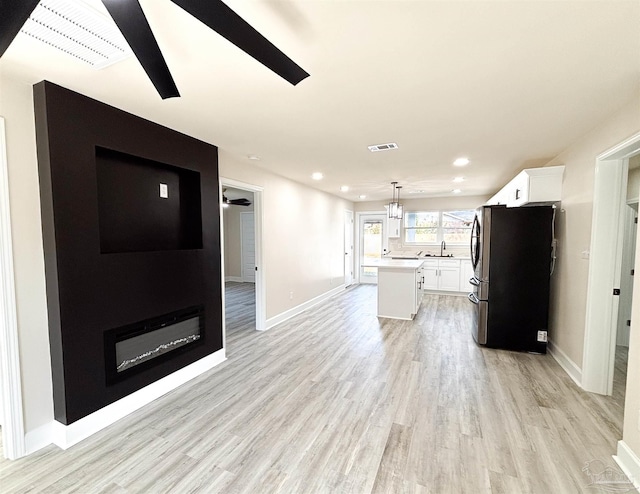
<point x="443" y="247"/>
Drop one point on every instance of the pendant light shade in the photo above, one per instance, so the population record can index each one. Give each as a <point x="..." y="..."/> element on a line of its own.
<point x="395" y="208"/>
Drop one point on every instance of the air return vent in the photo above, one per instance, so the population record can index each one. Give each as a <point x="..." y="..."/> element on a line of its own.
<point x="383" y="147"/>
<point x="76" y="29"/>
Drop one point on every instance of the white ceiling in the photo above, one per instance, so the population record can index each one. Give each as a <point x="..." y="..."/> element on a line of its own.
<point x="509" y="84"/>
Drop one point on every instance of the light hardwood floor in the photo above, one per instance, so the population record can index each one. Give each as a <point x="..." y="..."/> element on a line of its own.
<point x="336" y="400"/>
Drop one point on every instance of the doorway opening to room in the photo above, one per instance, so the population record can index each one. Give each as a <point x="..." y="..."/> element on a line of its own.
<point x="371" y="244"/>
<point x="613" y="260"/>
<point x="627" y="275"/>
<point x="243" y="280"/>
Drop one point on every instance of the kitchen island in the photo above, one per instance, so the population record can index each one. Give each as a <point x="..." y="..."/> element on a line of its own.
<point x="399" y="287"/>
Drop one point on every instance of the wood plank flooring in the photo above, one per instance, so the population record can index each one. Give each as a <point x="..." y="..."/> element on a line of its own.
<point x="336" y="400"/>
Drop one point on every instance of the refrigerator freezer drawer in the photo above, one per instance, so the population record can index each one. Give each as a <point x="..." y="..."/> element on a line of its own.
<point x="479" y="327"/>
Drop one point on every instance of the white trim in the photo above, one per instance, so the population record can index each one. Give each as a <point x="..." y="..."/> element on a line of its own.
<point x="13" y="440"/>
<point x="568" y="365"/>
<point x="607" y="233"/>
<point x="629" y="463"/>
<point x="349" y="277"/>
<point x="65" y="436"/>
<point x="261" y="308"/>
<point x="288" y="314"/>
<point x="237" y="279"/>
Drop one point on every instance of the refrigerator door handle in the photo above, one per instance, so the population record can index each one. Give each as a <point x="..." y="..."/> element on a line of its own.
<point x="473" y="299"/>
<point x="475" y="239"/>
<point x="474" y="281"/>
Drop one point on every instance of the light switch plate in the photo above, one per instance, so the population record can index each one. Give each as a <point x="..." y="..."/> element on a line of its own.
<point x="164" y="191"/>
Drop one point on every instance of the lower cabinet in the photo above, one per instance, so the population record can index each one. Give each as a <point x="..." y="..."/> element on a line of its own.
<point x="466" y="273"/>
<point x="399" y="292"/>
<point x="447" y="275"/>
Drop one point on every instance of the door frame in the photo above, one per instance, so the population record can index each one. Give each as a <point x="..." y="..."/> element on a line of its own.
<point x="358" y="257"/>
<point x="349" y="224"/>
<point x="261" y="313"/>
<point x="13" y="439"/>
<point x="607" y="233"/>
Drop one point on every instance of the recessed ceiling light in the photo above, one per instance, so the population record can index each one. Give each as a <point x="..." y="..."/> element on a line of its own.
<point x="456" y="191"/>
<point x="382" y="147"/>
<point x="317" y="176"/>
<point x="362" y="196"/>
<point x="461" y="162"/>
<point x="458" y="179"/>
<point x="344" y="188"/>
<point x="253" y="157"/>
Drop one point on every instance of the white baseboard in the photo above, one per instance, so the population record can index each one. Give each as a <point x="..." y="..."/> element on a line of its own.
<point x="299" y="309"/>
<point x="569" y="366"/>
<point x="38" y="438"/>
<point x="237" y="279"/>
<point x="65" y="436"/>
<point x="629" y="463"/>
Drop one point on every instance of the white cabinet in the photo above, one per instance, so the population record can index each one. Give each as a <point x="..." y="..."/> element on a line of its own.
<point x="430" y="274"/>
<point x="443" y="275"/>
<point x="393" y="227"/>
<point x="466" y="273"/>
<point x="532" y="186"/>
<point x="419" y="289"/>
<point x="449" y="275"/>
<point x="399" y="289"/>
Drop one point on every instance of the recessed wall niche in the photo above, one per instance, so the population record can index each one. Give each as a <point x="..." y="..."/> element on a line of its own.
<point x="144" y="205"/>
<point x="121" y="261"/>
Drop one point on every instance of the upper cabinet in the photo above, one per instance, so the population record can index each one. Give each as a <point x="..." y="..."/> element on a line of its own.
<point x="532" y="186"/>
<point x="393" y="227"/>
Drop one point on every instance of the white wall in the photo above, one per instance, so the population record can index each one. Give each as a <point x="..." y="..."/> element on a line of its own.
<point x="16" y="105"/>
<point x="426" y="204"/>
<point x="573" y="228"/>
<point x="303" y="235"/>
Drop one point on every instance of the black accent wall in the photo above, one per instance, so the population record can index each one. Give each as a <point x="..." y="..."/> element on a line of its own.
<point x="117" y="253"/>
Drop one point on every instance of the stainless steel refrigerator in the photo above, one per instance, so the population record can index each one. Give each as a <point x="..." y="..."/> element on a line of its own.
<point x="511" y="253"/>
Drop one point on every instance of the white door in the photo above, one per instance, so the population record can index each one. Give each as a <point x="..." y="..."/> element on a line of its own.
<point x="348" y="248"/>
<point x="371" y="244"/>
<point x="248" y="247"/>
<point x="626" y="277"/>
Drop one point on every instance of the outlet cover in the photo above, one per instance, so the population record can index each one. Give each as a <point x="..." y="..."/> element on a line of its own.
<point x="542" y="336"/>
<point x="164" y="191"/>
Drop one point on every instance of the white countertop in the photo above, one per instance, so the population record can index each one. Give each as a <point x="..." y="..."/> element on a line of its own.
<point x="393" y="263"/>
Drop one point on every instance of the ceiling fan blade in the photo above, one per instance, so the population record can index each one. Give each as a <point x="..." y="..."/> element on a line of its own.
<point x="133" y="25"/>
<point x="240" y="202"/>
<point x="219" y="17"/>
<point x="14" y="14"/>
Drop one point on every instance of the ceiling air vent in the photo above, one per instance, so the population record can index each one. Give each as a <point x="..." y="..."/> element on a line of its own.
<point x="78" y="30"/>
<point x="383" y="147"/>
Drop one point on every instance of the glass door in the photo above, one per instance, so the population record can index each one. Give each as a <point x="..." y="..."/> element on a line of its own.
<point x="371" y="245"/>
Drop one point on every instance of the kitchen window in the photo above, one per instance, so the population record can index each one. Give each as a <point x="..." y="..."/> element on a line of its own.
<point x="432" y="227"/>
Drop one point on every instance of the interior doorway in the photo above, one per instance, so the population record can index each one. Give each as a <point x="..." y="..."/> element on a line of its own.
<point x="605" y="268"/>
<point x="348" y="248"/>
<point x="371" y="244"/>
<point x="241" y="225"/>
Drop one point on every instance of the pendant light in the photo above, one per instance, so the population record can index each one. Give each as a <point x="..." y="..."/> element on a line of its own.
<point x="395" y="208"/>
<point x="393" y="205"/>
<point x="399" y="207"/>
